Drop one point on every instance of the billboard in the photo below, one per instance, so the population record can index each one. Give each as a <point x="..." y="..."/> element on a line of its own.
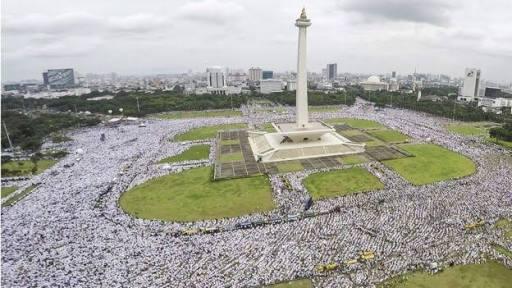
<point x="267" y="75"/>
<point x="61" y="78"/>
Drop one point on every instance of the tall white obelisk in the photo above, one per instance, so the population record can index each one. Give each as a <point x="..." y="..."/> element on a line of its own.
<point x="301" y="103"/>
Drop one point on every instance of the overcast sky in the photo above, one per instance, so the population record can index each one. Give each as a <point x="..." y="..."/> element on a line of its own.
<point x="167" y="36"/>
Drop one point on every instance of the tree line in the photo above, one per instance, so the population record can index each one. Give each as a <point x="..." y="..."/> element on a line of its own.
<point x="445" y="107"/>
<point x="31" y="120"/>
<point x="28" y="131"/>
<point x="502" y="133"/>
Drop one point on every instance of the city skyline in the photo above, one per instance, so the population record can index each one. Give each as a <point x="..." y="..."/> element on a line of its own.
<point x="370" y="38"/>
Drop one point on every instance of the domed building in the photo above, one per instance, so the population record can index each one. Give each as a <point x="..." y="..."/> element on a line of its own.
<point x="373" y="83"/>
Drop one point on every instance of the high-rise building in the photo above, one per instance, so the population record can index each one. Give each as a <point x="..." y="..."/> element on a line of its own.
<point x="267" y="75"/>
<point x="291" y="85"/>
<point x="216" y="77"/>
<point x="45" y="78"/>
<point x="393" y="85"/>
<point x="268" y="86"/>
<point x="332" y="71"/>
<point x="255" y="74"/>
<point x="471" y="84"/>
<point x="393" y="74"/>
<point x="59" y="78"/>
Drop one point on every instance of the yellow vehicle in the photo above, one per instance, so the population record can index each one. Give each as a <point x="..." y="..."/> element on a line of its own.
<point x="351" y="261"/>
<point x="474" y="225"/>
<point x="190" y="232"/>
<point x="327" y="267"/>
<point x="367" y="255"/>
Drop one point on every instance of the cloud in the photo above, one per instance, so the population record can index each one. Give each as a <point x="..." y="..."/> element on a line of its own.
<point x="210" y="11"/>
<point x="139" y="23"/>
<point x="83" y="24"/>
<point x="68" y="47"/>
<point x="75" y="34"/>
<point x="432" y="12"/>
<point x="76" y="23"/>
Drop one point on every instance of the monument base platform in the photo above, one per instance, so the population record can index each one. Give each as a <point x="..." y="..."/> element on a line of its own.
<point x="290" y="143"/>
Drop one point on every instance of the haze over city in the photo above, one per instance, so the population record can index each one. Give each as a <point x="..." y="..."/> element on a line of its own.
<point x="140" y="38"/>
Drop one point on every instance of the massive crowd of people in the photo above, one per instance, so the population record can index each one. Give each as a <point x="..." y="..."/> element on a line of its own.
<point x="70" y="231"/>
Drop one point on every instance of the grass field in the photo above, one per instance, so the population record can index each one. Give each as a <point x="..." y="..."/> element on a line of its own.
<point x="24" y="167"/>
<point x="6" y="191"/>
<point x="199" y="114"/>
<point x="341" y="182"/>
<point x="503" y="251"/>
<point x="352" y="159"/>
<point x="479" y="129"/>
<point x="356" y="123"/>
<point x="506" y="144"/>
<point x="431" y="164"/>
<point x="19" y="196"/>
<point x="229" y="157"/>
<point x="351" y="132"/>
<point x="207" y="132"/>
<point x="389" y="136"/>
<point x="471" y="128"/>
<point x="230" y="141"/>
<point x="486" y="275"/>
<point x="191" y="196"/>
<point x="268" y="127"/>
<point x="289" y="166"/>
<point x="196" y="152"/>
<point x="506" y="226"/>
<point x="303" y="283"/>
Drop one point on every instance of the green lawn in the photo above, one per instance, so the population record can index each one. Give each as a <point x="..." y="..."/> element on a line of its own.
<point x="207" y="132"/>
<point x="341" y="182"/>
<point x="289" y="166"/>
<point x="229" y="157"/>
<point x="196" y="152"/>
<point x="199" y="114"/>
<point x="351" y="132"/>
<point x="268" y="127"/>
<point x="230" y="142"/>
<point x="471" y="128"/>
<point x="192" y="196"/>
<point x="6" y="191"/>
<point x="506" y="226"/>
<point x="352" y="159"/>
<point x="356" y="123"/>
<point x="479" y="129"/>
<point x="506" y="144"/>
<point x="486" y="275"/>
<point x="326" y="108"/>
<point x="503" y="251"/>
<point x="24" y="167"/>
<point x="303" y="283"/>
<point x="18" y="196"/>
<point x="431" y="164"/>
<point x="390" y="136"/>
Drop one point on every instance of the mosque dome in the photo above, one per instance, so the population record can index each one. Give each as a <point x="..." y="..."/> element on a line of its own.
<point x="373" y="79"/>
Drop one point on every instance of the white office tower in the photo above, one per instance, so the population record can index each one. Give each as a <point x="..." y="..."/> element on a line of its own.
<point x="471" y="84"/>
<point x="393" y="85"/>
<point x="291" y="85"/>
<point x="302" y="139"/>
<point x="268" y="86"/>
<point x="255" y="74"/>
<point x="216" y="77"/>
